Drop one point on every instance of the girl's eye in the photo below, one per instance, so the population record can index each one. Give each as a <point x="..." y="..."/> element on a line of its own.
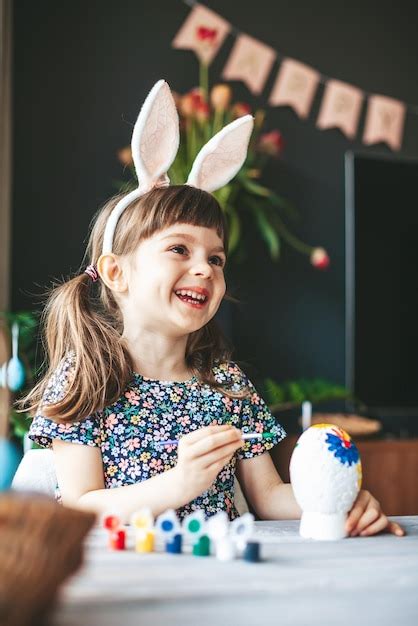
<point x="215" y="260"/>
<point x="218" y="261"/>
<point x="175" y="248"/>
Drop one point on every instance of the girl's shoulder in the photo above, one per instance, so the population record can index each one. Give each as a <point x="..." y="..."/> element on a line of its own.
<point x="229" y="374"/>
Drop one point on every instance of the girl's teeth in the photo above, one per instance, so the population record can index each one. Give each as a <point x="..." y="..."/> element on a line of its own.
<point x="191" y="294"/>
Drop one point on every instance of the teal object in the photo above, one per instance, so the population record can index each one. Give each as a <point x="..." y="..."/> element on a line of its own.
<point x="202" y="547"/>
<point x="15" y="368"/>
<point x="9" y="460"/>
<point x="252" y="552"/>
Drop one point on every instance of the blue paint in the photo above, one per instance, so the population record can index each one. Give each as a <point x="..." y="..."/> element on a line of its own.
<point x="167" y="526"/>
<point x="252" y="552"/>
<point x="175" y="545"/>
<point x="349" y="455"/>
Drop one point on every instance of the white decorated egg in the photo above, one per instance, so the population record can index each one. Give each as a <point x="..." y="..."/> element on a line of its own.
<point x="325" y="472"/>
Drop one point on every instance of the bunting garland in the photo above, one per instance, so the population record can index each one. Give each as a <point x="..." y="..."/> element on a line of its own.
<point x="250" y="61"/>
<point x="296" y="84"/>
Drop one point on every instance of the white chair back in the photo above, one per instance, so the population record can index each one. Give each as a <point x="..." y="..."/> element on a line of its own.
<point x="36" y="472"/>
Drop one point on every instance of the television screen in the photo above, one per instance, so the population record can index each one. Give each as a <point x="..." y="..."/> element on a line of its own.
<point x="382" y="283"/>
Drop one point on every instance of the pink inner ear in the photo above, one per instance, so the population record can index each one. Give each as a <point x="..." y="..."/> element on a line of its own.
<point x="160" y="135"/>
<point x="219" y="166"/>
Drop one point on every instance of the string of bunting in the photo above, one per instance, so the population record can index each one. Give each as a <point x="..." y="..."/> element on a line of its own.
<point x="296" y="83"/>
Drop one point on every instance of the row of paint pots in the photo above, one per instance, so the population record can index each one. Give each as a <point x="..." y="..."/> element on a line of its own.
<point x="217" y="535"/>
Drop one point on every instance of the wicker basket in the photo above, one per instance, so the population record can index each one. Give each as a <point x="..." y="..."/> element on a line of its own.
<point x="41" y="544"/>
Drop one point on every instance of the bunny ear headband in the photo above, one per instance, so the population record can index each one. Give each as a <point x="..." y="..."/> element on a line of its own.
<point x="155" y="141"/>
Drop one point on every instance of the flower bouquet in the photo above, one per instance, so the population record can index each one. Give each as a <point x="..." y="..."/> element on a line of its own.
<point x="202" y="114"/>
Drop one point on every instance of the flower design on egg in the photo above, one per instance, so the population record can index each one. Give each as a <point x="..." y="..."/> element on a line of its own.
<point x="343" y="448"/>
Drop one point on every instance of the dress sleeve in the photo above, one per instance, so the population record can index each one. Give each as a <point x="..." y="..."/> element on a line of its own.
<point x="43" y="429"/>
<point x="255" y="416"/>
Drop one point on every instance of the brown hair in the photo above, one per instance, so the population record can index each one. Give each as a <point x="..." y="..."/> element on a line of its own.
<point x="83" y="318"/>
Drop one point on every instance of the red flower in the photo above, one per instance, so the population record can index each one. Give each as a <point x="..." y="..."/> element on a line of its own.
<point x="271" y="143"/>
<point x="206" y="34"/>
<point x="320" y="258"/>
<point x="202" y="112"/>
<point x="240" y="108"/>
<point x="191" y="102"/>
<point x="197" y="96"/>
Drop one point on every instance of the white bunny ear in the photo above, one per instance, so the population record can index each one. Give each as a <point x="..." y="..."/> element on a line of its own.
<point x="155" y="141"/>
<point x="223" y="156"/>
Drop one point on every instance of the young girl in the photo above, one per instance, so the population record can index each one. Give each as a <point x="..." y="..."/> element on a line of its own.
<point x="136" y="358"/>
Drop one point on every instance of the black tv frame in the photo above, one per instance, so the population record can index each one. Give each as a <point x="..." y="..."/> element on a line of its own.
<point x="399" y="413"/>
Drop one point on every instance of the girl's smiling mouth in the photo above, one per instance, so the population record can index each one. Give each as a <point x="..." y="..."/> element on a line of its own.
<point x="195" y="297"/>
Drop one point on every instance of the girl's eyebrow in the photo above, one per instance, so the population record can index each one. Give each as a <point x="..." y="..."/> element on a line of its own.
<point x="192" y="239"/>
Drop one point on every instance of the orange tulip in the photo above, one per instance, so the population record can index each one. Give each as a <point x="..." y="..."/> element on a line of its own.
<point x="220" y="97"/>
<point x="125" y="156"/>
<point x="187" y="106"/>
<point x="202" y="112"/>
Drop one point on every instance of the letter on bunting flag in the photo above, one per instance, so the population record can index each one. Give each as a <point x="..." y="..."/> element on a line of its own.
<point x="340" y="108"/>
<point x="384" y="121"/>
<point x="295" y="86"/>
<point x="203" y="32"/>
<point x="249" y="61"/>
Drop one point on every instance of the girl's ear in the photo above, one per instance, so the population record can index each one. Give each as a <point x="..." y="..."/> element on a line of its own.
<point x="111" y="272"/>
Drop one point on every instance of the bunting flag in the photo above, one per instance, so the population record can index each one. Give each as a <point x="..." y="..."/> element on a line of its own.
<point x="295" y="86"/>
<point x="384" y="121"/>
<point x="340" y="108"/>
<point x="249" y="61"/>
<point x="203" y="32"/>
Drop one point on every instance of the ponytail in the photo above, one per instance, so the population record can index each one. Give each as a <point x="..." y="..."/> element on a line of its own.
<point x="76" y="323"/>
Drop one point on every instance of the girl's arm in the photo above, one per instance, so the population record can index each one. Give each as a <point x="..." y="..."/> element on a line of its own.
<point x="201" y="456"/>
<point x="269" y="496"/>
<point x="80" y="478"/>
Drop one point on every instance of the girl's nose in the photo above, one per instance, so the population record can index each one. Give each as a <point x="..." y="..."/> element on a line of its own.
<point x="202" y="268"/>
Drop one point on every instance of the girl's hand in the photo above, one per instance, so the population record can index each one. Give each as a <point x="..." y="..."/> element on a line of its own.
<point x="202" y="454"/>
<point x="366" y="518"/>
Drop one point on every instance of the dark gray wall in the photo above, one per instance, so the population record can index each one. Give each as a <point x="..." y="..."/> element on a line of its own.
<point x="82" y="69"/>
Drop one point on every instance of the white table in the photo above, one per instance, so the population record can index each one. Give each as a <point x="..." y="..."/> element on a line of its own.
<point x="354" y="581"/>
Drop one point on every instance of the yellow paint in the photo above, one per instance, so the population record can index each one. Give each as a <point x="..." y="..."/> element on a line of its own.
<point x="359" y="474"/>
<point x="144" y="542"/>
<point x="142" y="520"/>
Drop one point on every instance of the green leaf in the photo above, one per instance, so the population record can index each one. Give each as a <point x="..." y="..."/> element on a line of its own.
<point x="273" y="391"/>
<point x="267" y="231"/>
<point x="234" y="228"/>
<point x="292" y="393"/>
<point x="255" y="188"/>
<point x="282" y="203"/>
<point x="223" y="194"/>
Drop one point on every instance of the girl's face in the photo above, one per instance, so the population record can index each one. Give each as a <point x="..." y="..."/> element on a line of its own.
<point x="176" y="280"/>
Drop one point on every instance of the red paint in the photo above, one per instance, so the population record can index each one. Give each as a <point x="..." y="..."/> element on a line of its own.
<point x="117" y="539"/>
<point x="111" y="522"/>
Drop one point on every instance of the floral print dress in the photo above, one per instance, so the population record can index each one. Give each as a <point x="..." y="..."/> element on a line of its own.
<point x="150" y="411"/>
